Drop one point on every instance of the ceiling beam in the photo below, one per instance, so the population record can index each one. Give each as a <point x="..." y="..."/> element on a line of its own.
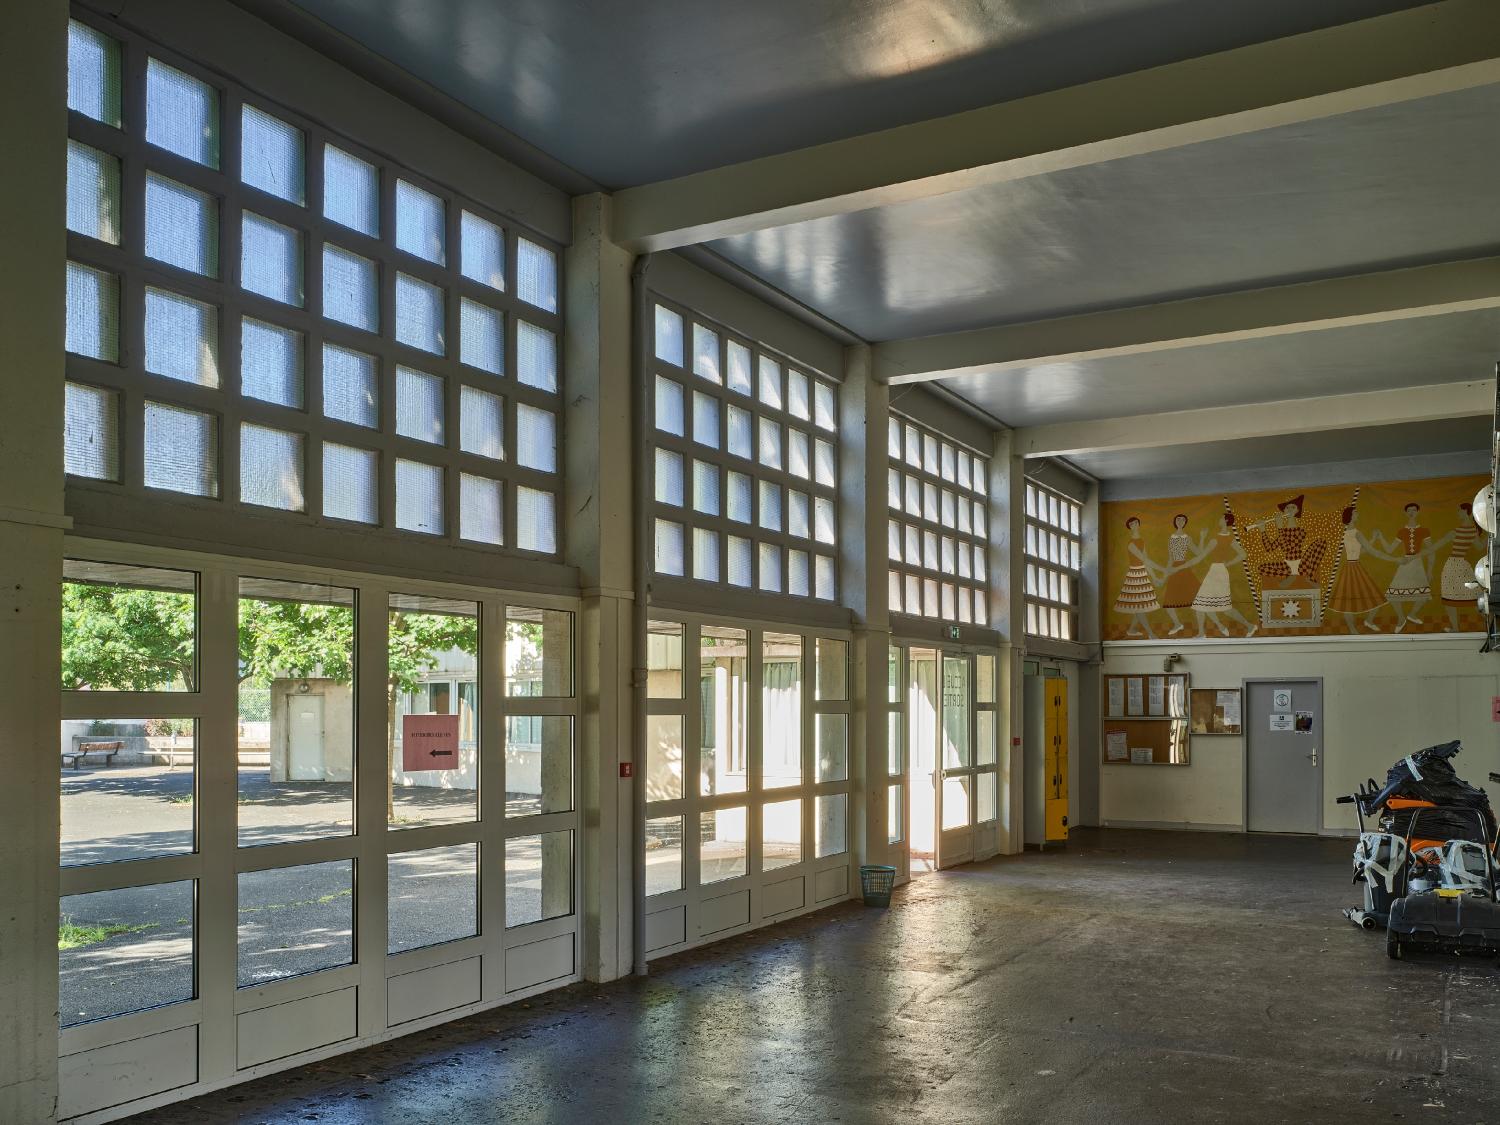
<point x="1442" y="402"/>
<point x="1417" y="53"/>
<point x="1344" y="302"/>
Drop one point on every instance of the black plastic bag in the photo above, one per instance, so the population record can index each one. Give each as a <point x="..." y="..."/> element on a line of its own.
<point x="1428" y="775"/>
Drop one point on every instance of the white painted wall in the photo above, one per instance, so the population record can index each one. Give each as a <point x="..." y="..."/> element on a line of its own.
<point x="1383" y="697"/>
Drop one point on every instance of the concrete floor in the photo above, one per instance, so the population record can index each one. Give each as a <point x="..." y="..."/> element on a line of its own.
<point x="1131" y="977"/>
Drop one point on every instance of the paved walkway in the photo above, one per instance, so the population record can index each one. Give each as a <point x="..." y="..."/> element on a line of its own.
<point x="1133" y="977"/>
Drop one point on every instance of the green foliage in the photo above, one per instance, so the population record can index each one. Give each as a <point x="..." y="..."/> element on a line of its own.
<point x="74" y="935"/>
<point x="295" y="639"/>
<point x="126" y="640"/>
<point x="418" y="639"/>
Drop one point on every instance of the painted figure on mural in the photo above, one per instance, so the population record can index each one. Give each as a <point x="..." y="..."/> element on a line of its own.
<point x="1457" y="587"/>
<point x="1137" y="598"/>
<point x="1355" y="593"/>
<point x="1296" y="560"/>
<point x="1411" y="587"/>
<point x="1213" y="595"/>
<point x="1181" y="584"/>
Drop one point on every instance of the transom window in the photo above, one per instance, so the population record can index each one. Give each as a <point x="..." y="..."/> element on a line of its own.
<point x="262" y="314"/>
<point x="937" y="531"/>
<point x="746" y="474"/>
<point x="1054" y="551"/>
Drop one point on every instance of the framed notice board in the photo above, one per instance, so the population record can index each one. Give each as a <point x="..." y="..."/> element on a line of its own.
<point x="1145" y="721"/>
<point x="1215" y="711"/>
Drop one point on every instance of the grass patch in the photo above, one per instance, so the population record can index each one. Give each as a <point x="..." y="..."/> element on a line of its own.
<point x="74" y="935"/>
<point x="180" y="799"/>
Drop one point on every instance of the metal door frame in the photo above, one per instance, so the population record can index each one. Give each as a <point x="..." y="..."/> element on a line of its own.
<point x="1320" y="747"/>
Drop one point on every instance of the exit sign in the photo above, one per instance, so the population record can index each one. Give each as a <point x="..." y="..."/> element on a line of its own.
<point x="954" y="633"/>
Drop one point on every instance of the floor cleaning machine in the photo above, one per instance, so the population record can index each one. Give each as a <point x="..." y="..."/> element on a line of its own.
<point x="1427" y="868"/>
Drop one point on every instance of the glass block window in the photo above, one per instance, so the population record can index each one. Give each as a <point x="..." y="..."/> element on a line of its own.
<point x="937" y="525"/>
<point x="1054" y="560"/>
<point x="747" y="466"/>
<point x="310" y="328"/>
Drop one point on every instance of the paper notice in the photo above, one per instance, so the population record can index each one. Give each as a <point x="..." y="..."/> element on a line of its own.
<point x="1228" y="703"/>
<point x="1134" y="690"/>
<point x="1116" y="745"/>
<point x="1141" y="755"/>
<point x="1117" y="697"/>
<point x="1156" y="695"/>
<point x="1282" y="721"/>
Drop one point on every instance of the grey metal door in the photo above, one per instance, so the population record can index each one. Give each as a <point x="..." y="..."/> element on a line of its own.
<point x="1283" y="744"/>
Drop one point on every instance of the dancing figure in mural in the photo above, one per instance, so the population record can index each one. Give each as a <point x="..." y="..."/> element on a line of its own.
<point x="1181" y="584"/>
<point x="1410" y="587"/>
<point x="1354" y="591"/>
<point x="1295" y="558"/>
<point x="1457" y="587"/>
<point x="1213" y="595"/>
<point x="1137" y="598"/>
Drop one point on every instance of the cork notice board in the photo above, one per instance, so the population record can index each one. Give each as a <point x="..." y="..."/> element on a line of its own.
<point x="1145" y="720"/>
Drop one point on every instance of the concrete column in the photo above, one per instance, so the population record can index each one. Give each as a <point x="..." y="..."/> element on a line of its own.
<point x="1007" y="487"/>
<point x="599" y="525"/>
<point x="33" y="121"/>
<point x="1087" y="710"/>
<point x="864" y="406"/>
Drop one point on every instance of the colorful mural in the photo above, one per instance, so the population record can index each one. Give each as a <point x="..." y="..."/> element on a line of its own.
<point x="1386" y="557"/>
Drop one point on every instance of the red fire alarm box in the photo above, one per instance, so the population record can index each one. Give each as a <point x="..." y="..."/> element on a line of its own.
<point x="627" y="769"/>
<point x="429" y="742"/>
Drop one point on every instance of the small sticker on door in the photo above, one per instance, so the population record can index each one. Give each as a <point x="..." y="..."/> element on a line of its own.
<point x="1281" y="699"/>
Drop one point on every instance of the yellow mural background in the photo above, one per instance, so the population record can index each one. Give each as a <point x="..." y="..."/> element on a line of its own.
<point x="1379" y="517"/>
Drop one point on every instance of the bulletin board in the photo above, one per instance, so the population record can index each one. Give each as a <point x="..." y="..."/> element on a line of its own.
<point x="1215" y="711"/>
<point x="1145" y="720"/>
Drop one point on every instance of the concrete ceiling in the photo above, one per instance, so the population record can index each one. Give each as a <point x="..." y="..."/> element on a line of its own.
<point x="1348" y="194"/>
<point x="1368" y="357"/>
<point x="631" y="93"/>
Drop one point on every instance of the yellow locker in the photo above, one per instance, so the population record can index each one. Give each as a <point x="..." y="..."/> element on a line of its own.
<point x="1055" y="741"/>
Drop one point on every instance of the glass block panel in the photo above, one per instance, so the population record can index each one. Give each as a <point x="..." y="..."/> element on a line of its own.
<point x="351" y="191"/>
<point x="351" y="488"/>
<point x="781" y="834"/>
<point x="669" y="342"/>
<point x="536" y="275"/>
<point x="350" y="386"/>
<point x="270" y="468"/>
<point x="797" y="520"/>
<point x="770" y="505"/>
<point x="797" y="403"/>
<point x="93" y="193"/>
<point x="741" y="429"/>
<point x="295" y="920"/>
<point x="419" y="405"/>
<point x="706" y="566"/>
<point x="182" y="226"/>
<point x="825" y="410"/>
<point x="271" y="260"/>
<point x="832" y="825"/>
<point x="91" y="433"/>
<point x="824" y="586"/>
<point x="739" y="368"/>
<point x="669" y="406"/>
<point x="419" y="314"/>
<point x="741" y="561"/>
<point x="770" y="443"/>
<point x="824" y="470"/>
<point x="770" y="382"/>
<point x="538" y="878"/>
<point x="419" y="497"/>
<point x="705" y="488"/>
<point x="823" y="520"/>
<point x="799" y="461"/>
<point x="536" y="520"/>
<point x="481" y="337"/>
<point x="668" y="478"/>
<point x="181" y="450"/>
<point x="669" y="547"/>
<point x="664" y="840"/>
<point x="706" y="354"/>
<point x="798" y="575"/>
<point x="536" y="438"/>
<point x="93" y="314"/>
<point x="481" y="423"/>
<point x="182" y="338"/>
<point x="182" y="114"/>
<point x="420" y="219"/>
<point x="722" y="844"/>
<point x="271" y="363"/>
<point x="536" y="356"/>
<point x="272" y="155"/>
<point x="705" y="420"/>
<point x="481" y="250"/>
<point x="93" y="74"/>
<point x="433" y="897"/>
<point x="738" y="506"/>
<point x="124" y="951"/>
<point x="481" y="509"/>
<point x="350" y="289"/>
<point x="770" y="568"/>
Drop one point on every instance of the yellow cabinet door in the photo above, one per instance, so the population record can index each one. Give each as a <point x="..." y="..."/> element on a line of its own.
<point x="1055" y="732"/>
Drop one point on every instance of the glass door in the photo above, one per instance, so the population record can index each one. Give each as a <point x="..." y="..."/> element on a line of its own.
<point x="954" y="775"/>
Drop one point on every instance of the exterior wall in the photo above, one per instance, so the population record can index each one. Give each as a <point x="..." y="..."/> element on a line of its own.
<point x="1383" y="697"/>
<point x="338" y="729"/>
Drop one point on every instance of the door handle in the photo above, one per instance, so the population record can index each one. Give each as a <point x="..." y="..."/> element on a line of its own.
<point x="1314" y="756"/>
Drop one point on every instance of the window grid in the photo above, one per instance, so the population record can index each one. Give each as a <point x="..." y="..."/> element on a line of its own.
<point x="937" y="528"/>
<point x="1054" y="560"/>
<point x="746" y="489"/>
<point x="294" y="227"/>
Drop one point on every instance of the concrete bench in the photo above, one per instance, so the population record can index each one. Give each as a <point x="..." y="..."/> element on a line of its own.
<point x="106" y="750"/>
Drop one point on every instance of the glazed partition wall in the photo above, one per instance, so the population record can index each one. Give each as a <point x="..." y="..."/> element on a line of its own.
<point x="747" y="769"/>
<point x="301" y="811"/>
